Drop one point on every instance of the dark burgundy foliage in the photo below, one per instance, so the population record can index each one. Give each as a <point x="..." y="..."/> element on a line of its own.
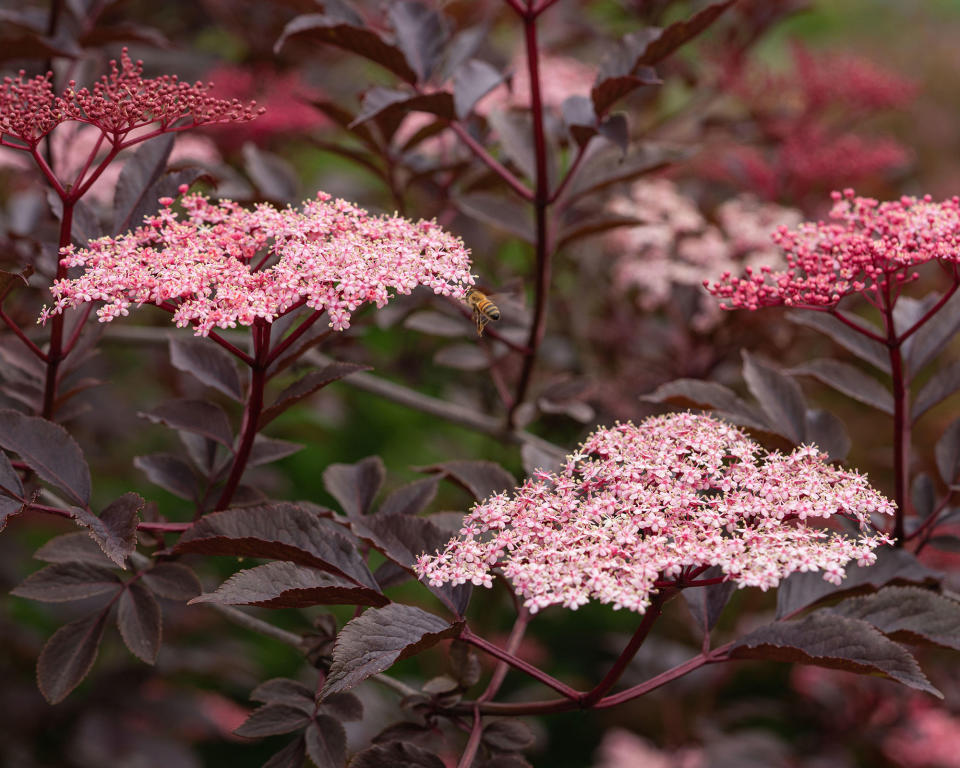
<point x="525" y="159"/>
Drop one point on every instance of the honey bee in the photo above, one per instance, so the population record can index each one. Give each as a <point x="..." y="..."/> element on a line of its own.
<point x="484" y="310"/>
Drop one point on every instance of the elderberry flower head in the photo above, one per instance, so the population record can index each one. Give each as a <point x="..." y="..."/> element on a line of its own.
<point x="640" y="504"/>
<point x="864" y="246"/>
<point x="118" y="103"/>
<point x="222" y="265"/>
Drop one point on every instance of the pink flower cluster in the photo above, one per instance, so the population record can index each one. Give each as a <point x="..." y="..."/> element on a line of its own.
<point x="223" y="265"/>
<point x="640" y="504"/>
<point x="865" y="245"/>
<point x="120" y="102"/>
<point x="620" y="748"/>
<point x="674" y="244"/>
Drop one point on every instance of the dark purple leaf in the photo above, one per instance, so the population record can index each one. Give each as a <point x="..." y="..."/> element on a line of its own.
<point x="291" y="756"/>
<point x="137" y="177"/>
<point x="201" y="451"/>
<point x="934" y="335"/>
<point x="580" y="119"/>
<point x="405" y="731"/>
<point x="73" y="548"/>
<point x="312" y="382"/>
<point x="923" y="494"/>
<point x="355" y="485"/>
<point x="271" y="720"/>
<point x="173" y="581"/>
<point x="779" y="397"/>
<point x="849" y="380"/>
<point x="169" y="472"/>
<point x="908" y="614"/>
<point x="85" y="225"/>
<point x="282" y="531"/>
<point x="198" y="416"/>
<point x="138" y="619"/>
<point x="827" y="432"/>
<point x="707" y="603"/>
<point x="273" y="176"/>
<point x="499" y="212"/>
<point x="266" y="450"/>
<point x="410" y="499"/>
<point x="351" y="36"/>
<point x="396" y="754"/>
<point x="480" y="478"/>
<point x="507" y="735"/>
<point x="285" y="585"/>
<point x="536" y="456"/>
<point x="607" y="166"/>
<point x="947" y="452"/>
<point x="68" y="656"/>
<point x="282" y="690"/>
<point x="866" y="349"/>
<point x="826" y="639"/>
<point x="373" y="641"/>
<point x="345" y="707"/>
<point x="421" y="34"/>
<point x="515" y="136"/>
<point x="464" y="45"/>
<point x="63" y="582"/>
<point x="628" y="67"/>
<point x="115" y="530"/>
<point x="9" y="480"/>
<point x="49" y="451"/>
<point x="473" y="80"/>
<point x="893" y="566"/>
<point x="102" y="35"/>
<point x="693" y="393"/>
<point x="938" y="388"/>
<point x="326" y="742"/>
<point x="211" y="364"/>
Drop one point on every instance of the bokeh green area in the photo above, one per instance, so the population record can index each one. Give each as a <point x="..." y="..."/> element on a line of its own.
<point x="345" y="424"/>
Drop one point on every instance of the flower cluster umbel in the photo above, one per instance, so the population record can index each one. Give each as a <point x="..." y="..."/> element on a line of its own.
<point x="119" y="103"/>
<point x="223" y="265"/>
<point x="864" y="246"/>
<point x="640" y="504"/>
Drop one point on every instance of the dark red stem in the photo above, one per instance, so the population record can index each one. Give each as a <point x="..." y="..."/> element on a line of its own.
<point x="901" y="418"/>
<point x="55" y="351"/>
<point x="541" y="201"/>
<point x="251" y="412"/>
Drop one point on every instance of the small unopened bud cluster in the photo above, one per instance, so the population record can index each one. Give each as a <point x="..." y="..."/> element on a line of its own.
<point x="223" y="265"/>
<point x="119" y="103"/>
<point x="866" y="246"/>
<point x="640" y="504"/>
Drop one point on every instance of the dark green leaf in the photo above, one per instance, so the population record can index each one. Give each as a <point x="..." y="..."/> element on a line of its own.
<point x="373" y="641"/>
